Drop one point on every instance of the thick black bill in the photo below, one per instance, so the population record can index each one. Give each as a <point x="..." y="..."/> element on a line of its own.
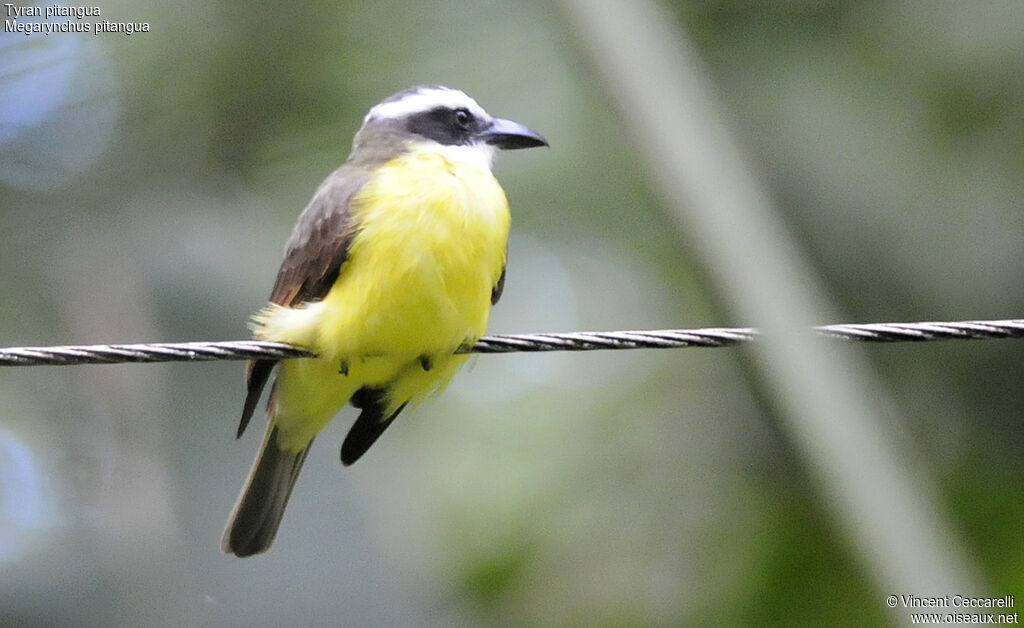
<point x="509" y="135"/>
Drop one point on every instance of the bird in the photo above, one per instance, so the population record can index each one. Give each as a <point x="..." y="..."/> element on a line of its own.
<point x="390" y="272"/>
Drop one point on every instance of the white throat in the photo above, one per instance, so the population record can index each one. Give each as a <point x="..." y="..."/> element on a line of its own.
<point x="479" y="154"/>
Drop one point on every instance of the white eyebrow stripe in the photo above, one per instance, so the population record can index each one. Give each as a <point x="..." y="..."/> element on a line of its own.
<point x="425" y="100"/>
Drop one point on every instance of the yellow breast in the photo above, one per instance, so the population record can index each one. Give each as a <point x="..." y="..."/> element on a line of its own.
<point x="419" y="273"/>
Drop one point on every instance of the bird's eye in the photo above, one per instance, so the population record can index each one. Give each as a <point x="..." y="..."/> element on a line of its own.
<point x="463" y="117"/>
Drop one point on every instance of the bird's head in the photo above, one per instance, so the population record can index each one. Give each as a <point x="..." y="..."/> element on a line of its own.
<point x="439" y="116"/>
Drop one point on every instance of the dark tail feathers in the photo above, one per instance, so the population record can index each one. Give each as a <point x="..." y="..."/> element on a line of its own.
<point x="257" y="514"/>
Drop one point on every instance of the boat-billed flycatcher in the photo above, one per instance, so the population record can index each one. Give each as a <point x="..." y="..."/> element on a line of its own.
<point x="391" y="268"/>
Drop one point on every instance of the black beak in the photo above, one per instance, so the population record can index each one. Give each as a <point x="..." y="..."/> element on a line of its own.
<point x="509" y="135"/>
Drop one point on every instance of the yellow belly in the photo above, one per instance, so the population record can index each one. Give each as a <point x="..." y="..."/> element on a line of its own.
<point x="415" y="286"/>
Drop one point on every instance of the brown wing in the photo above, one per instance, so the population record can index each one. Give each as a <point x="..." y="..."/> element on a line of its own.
<point x="498" y="287"/>
<point x="319" y="243"/>
<point x="313" y="258"/>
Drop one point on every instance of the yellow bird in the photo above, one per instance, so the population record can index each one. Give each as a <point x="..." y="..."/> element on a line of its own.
<point x="391" y="268"/>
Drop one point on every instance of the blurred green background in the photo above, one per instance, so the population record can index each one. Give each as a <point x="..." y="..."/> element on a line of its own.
<point x="147" y="186"/>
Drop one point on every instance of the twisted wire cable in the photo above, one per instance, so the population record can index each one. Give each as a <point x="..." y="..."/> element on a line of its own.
<point x="513" y="343"/>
